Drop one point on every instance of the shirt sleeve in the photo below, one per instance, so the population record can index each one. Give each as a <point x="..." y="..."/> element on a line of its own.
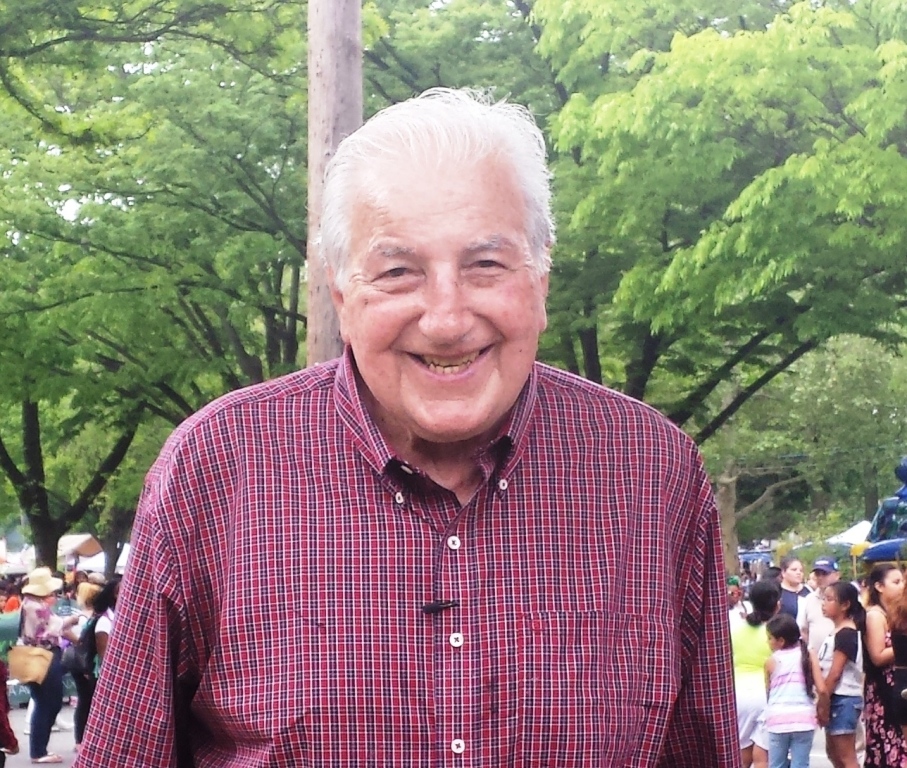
<point x="139" y="714"/>
<point x="802" y="608"/>
<point x="846" y="643"/>
<point x="104" y="625"/>
<point x="703" y="729"/>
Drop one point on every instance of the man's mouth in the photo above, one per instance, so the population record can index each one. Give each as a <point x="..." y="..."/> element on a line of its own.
<point x="446" y="366"/>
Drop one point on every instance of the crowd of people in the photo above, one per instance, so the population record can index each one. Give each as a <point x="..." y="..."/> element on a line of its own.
<point x="54" y="613"/>
<point x="832" y="654"/>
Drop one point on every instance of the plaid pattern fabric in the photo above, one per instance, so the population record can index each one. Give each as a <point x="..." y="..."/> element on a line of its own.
<point x="271" y="613"/>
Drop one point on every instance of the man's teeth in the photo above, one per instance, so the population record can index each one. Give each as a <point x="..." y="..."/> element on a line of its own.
<point x="449" y="367"/>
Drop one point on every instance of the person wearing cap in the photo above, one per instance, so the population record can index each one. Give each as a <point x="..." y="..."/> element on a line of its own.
<point x="41" y="627"/>
<point x="813" y="624"/>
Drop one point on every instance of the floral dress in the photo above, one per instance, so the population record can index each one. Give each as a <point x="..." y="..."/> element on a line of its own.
<point x="885" y="745"/>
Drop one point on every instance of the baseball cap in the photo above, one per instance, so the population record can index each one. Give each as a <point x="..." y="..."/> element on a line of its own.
<point x="827" y="564"/>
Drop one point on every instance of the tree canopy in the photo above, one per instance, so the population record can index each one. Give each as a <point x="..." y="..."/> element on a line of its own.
<point x="729" y="190"/>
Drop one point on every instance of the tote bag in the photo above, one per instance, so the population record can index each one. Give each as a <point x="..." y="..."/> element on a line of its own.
<point x="29" y="664"/>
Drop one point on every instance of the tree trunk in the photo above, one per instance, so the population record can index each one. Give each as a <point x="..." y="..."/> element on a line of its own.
<point x="335" y="111"/>
<point x="588" y="339"/>
<point x="46" y="537"/>
<point x="116" y="533"/>
<point x="726" y="501"/>
<point x="569" y="352"/>
<point x="639" y="369"/>
<point x="819" y="499"/>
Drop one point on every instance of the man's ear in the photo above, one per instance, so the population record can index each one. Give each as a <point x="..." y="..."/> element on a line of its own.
<point x="543" y="284"/>
<point x="339" y="302"/>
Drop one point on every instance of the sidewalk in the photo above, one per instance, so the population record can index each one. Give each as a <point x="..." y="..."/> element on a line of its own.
<point x="61" y="742"/>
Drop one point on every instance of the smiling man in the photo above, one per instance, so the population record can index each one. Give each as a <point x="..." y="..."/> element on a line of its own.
<point x="435" y="529"/>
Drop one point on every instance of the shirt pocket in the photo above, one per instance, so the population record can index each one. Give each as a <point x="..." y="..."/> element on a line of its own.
<point x="584" y="689"/>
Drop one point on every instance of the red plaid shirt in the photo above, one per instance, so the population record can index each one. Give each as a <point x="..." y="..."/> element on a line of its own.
<point x="7" y="735"/>
<point x="271" y="613"/>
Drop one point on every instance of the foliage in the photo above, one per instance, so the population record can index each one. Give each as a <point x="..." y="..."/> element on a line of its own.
<point x="836" y="421"/>
<point x="742" y="197"/>
<point x="729" y="182"/>
<point x="154" y="259"/>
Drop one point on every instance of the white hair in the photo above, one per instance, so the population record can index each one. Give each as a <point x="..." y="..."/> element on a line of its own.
<point x="441" y="124"/>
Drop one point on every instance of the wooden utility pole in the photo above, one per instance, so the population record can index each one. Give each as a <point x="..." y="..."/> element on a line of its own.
<point x="335" y="111"/>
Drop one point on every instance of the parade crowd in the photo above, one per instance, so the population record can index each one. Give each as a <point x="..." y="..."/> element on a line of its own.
<point x="832" y="655"/>
<point x="56" y="614"/>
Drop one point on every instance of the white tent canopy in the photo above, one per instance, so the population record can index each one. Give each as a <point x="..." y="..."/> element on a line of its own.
<point x="853" y="535"/>
<point x="78" y="545"/>
<point x="98" y="563"/>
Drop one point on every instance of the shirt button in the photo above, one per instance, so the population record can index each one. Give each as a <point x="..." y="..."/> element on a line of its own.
<point x="399" y="498"/>
<point x="406" y="468"/>
<point x="502" y="484"/>
<point x="458" y="746"/>
<point x="456" y="640"/>
<point x="454" y="543"/>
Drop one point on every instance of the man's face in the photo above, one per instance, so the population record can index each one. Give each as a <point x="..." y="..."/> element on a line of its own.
<point x="441" y="310"/>
<point x="824" y="578"/>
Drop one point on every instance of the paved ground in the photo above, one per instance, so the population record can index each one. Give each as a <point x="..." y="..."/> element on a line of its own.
<point x="817" y="758"/>
<point x="61" y="742"/>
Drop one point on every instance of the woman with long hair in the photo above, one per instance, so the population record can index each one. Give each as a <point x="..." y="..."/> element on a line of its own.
<point x="897" y="620"/>
<point x="792" y="588"/>
<point x="885" y="744"/>
<point x="105" y="604"/>
<point x="841" y="664"/>
<point x="750" y="652"/>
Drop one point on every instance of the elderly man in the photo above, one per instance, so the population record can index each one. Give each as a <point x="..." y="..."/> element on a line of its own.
<point x="436" y="530"/>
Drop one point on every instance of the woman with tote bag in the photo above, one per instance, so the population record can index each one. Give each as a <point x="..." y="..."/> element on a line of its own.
<point x="41" y="628"/>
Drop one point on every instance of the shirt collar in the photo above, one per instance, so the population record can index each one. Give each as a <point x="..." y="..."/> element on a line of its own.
<point x="506" y="448"/>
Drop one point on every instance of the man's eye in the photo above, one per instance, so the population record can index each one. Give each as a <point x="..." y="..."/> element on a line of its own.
<point x="395" y="272"/>
<point x="487" y="263"/>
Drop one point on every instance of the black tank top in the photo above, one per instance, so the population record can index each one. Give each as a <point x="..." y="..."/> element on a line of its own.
<point x="899" y="643"/>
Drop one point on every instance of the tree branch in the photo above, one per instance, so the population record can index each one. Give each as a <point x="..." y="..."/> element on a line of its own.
<point x="526" y="12"/>
<point x="766" y="496"/>
<point x="99" y="480"/>
<point x="713" y="426"/>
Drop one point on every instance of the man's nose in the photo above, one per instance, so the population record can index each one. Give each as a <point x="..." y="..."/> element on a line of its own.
<point x="446" y="312"/>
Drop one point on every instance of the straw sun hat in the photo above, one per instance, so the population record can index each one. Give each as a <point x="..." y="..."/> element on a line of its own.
<point x="41" y="583"/>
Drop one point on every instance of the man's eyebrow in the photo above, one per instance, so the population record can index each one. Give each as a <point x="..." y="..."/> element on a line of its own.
<point x="493" y="243"/>
<point x="390" y="251"/>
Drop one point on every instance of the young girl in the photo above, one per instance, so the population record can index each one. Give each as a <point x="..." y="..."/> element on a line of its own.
<point x="791" y="675"/>
<point x="841" y="664"/>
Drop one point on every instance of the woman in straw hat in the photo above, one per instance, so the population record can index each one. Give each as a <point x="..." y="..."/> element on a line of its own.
<point x="41" y="627"/>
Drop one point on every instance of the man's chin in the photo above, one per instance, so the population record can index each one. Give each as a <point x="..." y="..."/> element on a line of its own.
<point x="454" y="429"/>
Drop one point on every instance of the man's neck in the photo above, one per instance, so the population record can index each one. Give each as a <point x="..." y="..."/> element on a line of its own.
<point x="453" y="466"/>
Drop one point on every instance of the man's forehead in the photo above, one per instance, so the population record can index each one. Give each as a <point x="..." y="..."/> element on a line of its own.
<point x="390" y="173"/>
